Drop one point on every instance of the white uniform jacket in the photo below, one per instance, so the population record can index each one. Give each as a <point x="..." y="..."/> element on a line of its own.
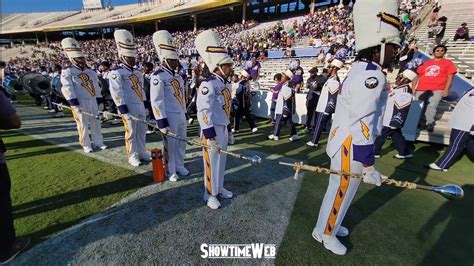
<point x="126" y="87"/>
<point x="167" y="95"/>
<point x="283" y="97"/>
<point x="328" y="98"/>
<point x="214" y="102"/>
<point x="79" y="84"/>
<point x="359" y="111"/>
<point x="463" y="114"/>
<point x="398" y="105"/>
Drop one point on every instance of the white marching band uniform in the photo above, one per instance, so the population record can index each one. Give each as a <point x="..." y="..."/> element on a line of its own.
<point x="126" y="89"/>
<point x="394" y="117"/>
<point x="326" y="103"/>
<point x="80" y="87"/>
<point x="357" y="120"/>
<point x="214" y="103"/>
<point x="169" y="106"/>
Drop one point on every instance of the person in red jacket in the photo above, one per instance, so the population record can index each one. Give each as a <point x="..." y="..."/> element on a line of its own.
<point x="435" y="79"/>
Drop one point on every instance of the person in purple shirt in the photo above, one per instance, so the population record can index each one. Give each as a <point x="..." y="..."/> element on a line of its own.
<point x="275" y="90"/>
<point x="253" y="67"/>
<point x="297" y="79"/>
<point x="10" y="245"/>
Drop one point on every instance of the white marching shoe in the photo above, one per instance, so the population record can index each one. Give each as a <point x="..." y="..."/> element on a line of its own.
<point x="174" y="178"/>
<point x="225" y="194"/>
<point x="213" y="202"/>
<point x="273" y="137"/>
<point x="254" y="130"/>
<point x="183" y="171"/>
<point x="311" y="144"/>
<point x="87" y="149"/>
<point x="408" y="156"/>
<point x="103" y="147"/>
<point x="145" y="157"/>
<point x="436" y="167"/>
<point x="134" y="161"/>
<point x="294" y="137"/>
<point x="331" y="243"/>
<point x="190" y="121"/>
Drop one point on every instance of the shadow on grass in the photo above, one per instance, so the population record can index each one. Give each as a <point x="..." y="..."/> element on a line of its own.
<point x="376" y="198"/>
<point x="75" y="197"/>
<point x="458" y="231"/>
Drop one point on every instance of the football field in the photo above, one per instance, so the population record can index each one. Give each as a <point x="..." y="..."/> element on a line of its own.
<point x="120" y="216"/>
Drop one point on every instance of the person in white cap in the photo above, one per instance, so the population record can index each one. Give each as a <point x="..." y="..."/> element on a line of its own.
<point x="243" y="101"/>
<point x="462" y="133"/>
<point x="284" y="108"/>
<point x="80" y="87"/>
<point x="358" y="115"/>
<point x="126" y="89"/>
<point x="327" y="101"/>
<point x="214" y="102"/>
<point x="395" y="114"/>
<point x="169" y="104"/>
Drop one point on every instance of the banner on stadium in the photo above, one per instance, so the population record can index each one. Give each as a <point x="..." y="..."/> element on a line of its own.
<point x="92" y="4"/>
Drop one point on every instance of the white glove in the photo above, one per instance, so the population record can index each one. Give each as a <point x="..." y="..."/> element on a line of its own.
<point x="165" y="130"/>
<point x="214" y="147"/>
<point x="126" y="116"/>
<point x="231" y="140"/>
<point x="372" y="176"/>
<point x="76" y="109"/>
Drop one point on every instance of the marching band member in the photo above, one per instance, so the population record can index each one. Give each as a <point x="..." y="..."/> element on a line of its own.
<point x="214" y="102"/>
<point x="462" y="133"/>
<point x="80" y="87"/>
<point x="395" y="114"/>
<point x="358" y="115"/>
<point x="327" y="101"/>
<point x="169" y="104"/>
<point x="243" y="101"/>
<point x="126" y="89"/>
<point x="284" y="108"/>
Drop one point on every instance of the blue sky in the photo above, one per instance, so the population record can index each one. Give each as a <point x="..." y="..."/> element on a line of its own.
<point x="12" y="6"/>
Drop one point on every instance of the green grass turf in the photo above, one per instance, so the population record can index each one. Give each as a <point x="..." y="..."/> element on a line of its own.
<point x="53" y="188"/>
<point x="389" y="226"/>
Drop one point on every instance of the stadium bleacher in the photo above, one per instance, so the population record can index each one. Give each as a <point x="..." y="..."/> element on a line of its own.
<point x="461" y="52"/>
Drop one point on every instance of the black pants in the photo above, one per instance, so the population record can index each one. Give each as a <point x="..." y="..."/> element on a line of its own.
<point x="279" y="121"/>
<point x="272" y="110"/>
<point x="7" y="230"/>
<point x="319" y="125"/>
<point x="59" y="100"/>
<point x="464" y="37"/>
<point x="310" y="108"/>
<point x="399" y="141"/>
<point x="241" y="111"/>
<point x="458" y="141"/>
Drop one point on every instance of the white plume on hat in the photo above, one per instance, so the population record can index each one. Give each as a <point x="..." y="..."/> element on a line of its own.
<point x="288" y="73"/>
<point x="409" y="74"/>
<point x="72" y="48"/>
<point x="164" y="45"/>
<point x="210" y="49"/>
<point x="376" y="22"/>
<point x="245" y="73"/>
<point x="337" y="63"/>
<point x="125" y="43"/>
